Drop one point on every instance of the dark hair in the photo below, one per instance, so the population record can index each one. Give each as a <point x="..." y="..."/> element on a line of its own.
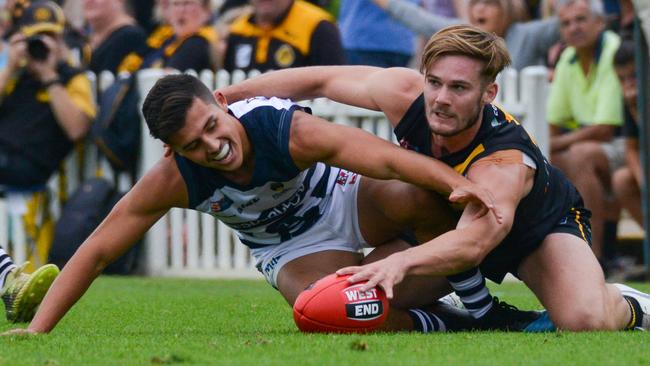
<point x="625" y="54"/>
<point x="166" y="105"/>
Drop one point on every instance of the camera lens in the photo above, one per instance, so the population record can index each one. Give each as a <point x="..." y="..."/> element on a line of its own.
<point x="37" y="49"/>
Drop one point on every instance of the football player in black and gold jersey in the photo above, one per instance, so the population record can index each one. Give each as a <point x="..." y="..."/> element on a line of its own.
<point x="448" y="113"/>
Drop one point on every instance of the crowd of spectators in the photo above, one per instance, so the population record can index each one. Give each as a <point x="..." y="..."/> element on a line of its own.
<point x="586" y="44"/>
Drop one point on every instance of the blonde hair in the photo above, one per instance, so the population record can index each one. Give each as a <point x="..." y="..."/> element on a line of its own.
<point x="469" y="41"/>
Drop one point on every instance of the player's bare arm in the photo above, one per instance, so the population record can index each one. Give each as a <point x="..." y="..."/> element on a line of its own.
<point x="471" y="241"/>
<point x="361" y="86"/>
<point x="153" y="195"/>
<point x="313" y="139"/>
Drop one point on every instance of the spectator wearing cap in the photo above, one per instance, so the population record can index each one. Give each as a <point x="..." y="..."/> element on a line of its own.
<point x="585" y="112"/>
<point x="113" y="34"/>
<point x="279" y="34"/>
<point x="45" y="104"/>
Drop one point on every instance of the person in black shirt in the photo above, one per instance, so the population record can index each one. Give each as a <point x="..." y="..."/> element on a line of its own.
<point x="45" y="105"/>
<point x="113" y="34"/>
<point x="281" y="34"/>
<point x="628" y="179"/>
<point x="56" y="97"/>
<point x="193" y="45"/>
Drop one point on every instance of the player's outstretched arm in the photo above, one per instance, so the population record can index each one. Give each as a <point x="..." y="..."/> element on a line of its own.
<point x="313" y="139"/>
<point x="134" y="214"/>
<point x="467" y="245"/>
<point x="388" y="90"/>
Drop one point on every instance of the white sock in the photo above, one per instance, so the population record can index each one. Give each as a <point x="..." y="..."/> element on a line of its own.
<point x="6" y="266"/>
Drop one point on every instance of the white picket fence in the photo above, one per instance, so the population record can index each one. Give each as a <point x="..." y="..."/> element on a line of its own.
<point x="187" y="243"/>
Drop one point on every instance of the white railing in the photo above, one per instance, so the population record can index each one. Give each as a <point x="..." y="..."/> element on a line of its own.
<point x="187" y="243"/>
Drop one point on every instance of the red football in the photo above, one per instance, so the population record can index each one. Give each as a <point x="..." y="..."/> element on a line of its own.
<point x="332" y="305"/>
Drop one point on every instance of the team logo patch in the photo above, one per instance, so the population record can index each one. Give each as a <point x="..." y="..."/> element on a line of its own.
<point x="220" y="205"/>
<point x="42" y="15"/>
<point x="495" y="122"/>
<point x="277" y="186"/>
<point x="346" y="177"/>
<point x="362" y="305"/>
<point x="342" y="178"/>
<point x="405" y="144"/>
<point x="285" y="56"/>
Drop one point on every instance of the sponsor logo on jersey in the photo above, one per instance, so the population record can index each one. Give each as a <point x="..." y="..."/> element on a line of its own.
<point x="241" y="208"/>
<point x="496" y="122"/>
<point x="220" y="205"/>
<point x="275" y="213"/>
<point x="268" y="268"/>
<point x="362" y="305"/>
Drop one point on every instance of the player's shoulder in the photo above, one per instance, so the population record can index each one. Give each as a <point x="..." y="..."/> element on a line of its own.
<point x="163" y="184"/>
<point x="246" y="106"/>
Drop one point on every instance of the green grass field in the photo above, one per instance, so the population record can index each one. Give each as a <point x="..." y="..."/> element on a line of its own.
<point x="142" y="321"/>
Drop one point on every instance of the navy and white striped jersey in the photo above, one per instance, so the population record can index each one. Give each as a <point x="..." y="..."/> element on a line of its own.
<point x="281" y="201"/>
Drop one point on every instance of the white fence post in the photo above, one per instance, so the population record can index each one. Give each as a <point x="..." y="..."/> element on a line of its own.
<point x="534" y="96"/>
<point x="155" y="243"/>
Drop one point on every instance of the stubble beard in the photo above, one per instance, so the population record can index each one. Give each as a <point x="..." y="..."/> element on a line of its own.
<point x="465" y="125"/>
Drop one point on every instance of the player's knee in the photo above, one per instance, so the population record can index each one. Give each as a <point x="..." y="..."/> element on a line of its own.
<point x="584" y="317"/>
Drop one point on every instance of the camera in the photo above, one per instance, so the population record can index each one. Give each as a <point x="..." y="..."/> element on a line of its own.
<point x="37" y="49"/>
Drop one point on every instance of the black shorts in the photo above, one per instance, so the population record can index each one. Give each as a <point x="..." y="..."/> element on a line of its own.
<point x="508" y="255"/>
<point x="577" y="223"/>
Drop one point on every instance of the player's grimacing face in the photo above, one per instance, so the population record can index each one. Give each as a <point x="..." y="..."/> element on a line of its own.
<point x="454" y="94"/>
<point x="210" y="137"/>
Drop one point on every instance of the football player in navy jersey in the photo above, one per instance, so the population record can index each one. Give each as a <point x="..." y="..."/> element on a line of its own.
<point x="446" y="112"/>
<point x="288" y="183"/>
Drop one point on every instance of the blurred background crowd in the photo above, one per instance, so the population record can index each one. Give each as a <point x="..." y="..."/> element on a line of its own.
<point x="47" y="102"/>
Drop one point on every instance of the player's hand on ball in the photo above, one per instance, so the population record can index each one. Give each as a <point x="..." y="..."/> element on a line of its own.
<point x="385" y="273"/>
<point x="334" y="305"/>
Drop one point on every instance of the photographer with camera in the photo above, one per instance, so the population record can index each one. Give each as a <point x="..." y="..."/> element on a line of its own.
<point x="45" y="104"/>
